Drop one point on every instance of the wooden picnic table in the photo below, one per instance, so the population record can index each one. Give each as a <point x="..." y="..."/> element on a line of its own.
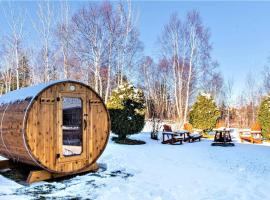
<point x="222" y="137"/>
<point x="173" y="137"/>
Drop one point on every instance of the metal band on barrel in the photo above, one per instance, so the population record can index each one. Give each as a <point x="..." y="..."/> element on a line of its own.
<point x="10" y="154"/>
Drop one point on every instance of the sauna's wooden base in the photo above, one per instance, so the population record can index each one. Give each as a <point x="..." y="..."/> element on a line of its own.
<point x="5" y="164"/>
<point x="42" y="175"/>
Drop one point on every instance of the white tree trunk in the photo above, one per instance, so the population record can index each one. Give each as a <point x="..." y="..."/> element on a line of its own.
<point x="189" y="74"/>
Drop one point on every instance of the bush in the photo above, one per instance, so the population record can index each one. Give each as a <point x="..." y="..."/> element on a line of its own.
<point x="204" y="113"/>
<point x="188" y="127"/>
<point x="220" y="123"/>
<point x="127" y="110"/>
<point x="264" y="117"/>
<point x="256" y="127"/>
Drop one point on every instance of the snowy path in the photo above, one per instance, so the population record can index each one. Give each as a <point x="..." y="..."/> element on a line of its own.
<point x="156" y="171"/>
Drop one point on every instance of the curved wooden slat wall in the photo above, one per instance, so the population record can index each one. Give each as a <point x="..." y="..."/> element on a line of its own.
<point x="30" y="129"/>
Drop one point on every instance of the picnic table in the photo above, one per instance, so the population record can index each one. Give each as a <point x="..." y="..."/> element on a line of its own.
<point x="222" y="137"/>
<point x="173" y="137"/>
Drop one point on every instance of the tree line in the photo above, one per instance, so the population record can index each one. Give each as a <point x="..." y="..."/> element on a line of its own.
<point x="98" y="45"/>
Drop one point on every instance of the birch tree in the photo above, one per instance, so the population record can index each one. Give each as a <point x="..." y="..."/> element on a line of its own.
<point x="15" y="20"/>
<point x="170" y="42"/>
<point x="89" y="41"/>
<point x="228" y="96"/>
<point x="266" y="79"/>
<point x="127" y="45"/>
<point x="64" y="38"/>
<point x="212" y="81"/>
<point x="186" y="45"/>
<point x="105" y="41"/>
<point x="111" y="22"/>
<point x="44" y="27"/>
<point x="198" y="50"/>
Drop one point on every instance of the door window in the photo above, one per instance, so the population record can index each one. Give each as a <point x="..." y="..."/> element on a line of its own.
<point x="72" y="126"/>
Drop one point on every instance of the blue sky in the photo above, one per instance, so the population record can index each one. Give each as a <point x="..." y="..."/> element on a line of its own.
<point x="240" y="31"/>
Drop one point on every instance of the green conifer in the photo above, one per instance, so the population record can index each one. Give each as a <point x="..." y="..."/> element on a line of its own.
<point x="264" y="117"/>
<point x="127" y="110"/>
<point x="204" y="113"/>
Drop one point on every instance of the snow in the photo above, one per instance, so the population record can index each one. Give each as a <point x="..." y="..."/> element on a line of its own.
<point x="27" y="92"/>
<point x="206" y="95"/>
<point x="156" y="171"/>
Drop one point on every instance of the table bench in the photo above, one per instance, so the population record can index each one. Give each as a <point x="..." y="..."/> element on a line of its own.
<point x="172" y="137"/>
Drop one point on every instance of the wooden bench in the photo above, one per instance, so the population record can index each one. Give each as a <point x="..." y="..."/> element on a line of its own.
<point x="170" y="137"/>
<point x="190" y="132"/>
<point x="254" y="135"/>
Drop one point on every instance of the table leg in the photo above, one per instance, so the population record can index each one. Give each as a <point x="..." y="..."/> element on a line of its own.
<point x="163" y="137"/>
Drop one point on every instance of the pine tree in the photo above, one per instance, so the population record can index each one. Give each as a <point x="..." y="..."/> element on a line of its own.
<point x="204" y="112"/>
<point x="127" y="110"/>
<point x="264" y="117"/>
<point x="24" y="71"/>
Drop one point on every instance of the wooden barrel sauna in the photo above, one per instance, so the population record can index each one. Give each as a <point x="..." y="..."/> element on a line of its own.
<point x="61" y="126"/>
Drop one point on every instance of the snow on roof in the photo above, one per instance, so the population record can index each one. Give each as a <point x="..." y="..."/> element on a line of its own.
<point x="27" y="92"/>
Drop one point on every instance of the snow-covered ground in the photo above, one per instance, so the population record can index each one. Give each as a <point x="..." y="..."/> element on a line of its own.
<point x="155" y="171"/>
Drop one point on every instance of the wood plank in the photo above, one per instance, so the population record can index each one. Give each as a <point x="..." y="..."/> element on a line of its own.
<point x="5" y="164"/>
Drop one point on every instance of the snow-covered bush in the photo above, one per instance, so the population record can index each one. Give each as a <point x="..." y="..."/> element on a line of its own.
<point x="264" y="117"/>
<point x="127" y="110"/>
<point x="204" y="113"/>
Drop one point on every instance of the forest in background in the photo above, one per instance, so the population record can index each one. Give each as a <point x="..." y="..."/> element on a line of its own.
<point x="99" y="44"/>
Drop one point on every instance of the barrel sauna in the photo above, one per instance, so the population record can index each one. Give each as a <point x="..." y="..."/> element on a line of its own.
<point x="61" y="126"/>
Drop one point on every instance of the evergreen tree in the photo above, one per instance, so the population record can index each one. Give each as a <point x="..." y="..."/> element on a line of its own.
<point x="204" y="112"/>
<point x="24" y="71"/>
<point x="127" y="110"/>
<point x="264" y="117"/>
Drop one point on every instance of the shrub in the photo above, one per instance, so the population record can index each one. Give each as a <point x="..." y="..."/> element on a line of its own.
<point x="220" y="123"/>
<point x="127" y="110"/>
<point x="188" y="127"/>
<point x="204" y="113"/>
<point x="256" y="127"/>
<point x="264" y="117"/>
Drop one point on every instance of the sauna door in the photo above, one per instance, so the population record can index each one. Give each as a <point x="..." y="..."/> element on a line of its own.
<point x="73" y="125"/>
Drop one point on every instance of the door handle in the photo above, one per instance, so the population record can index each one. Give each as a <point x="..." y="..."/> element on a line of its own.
<point x="85" y="124"/>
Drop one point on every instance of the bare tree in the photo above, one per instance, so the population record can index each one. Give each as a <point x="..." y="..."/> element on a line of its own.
<point x="211" y="80"/>
<point x="44" y="27"/>
<point x="127" y="44"/>
<point x="186" y="46"/>
<point x="90" y="41"/>
<point x="251" y="93"/>
<point x="198" y="50"/>
<point x="156" y="93"/>
<point x="228" y="97"/>
<point x="111" y="22"/>
<point x="266" y="79"/>
<point x="105" y="41"/>
<point x="170" y="42"/>
<point x="64" y="35"/>
<point x="15" y="20"/>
